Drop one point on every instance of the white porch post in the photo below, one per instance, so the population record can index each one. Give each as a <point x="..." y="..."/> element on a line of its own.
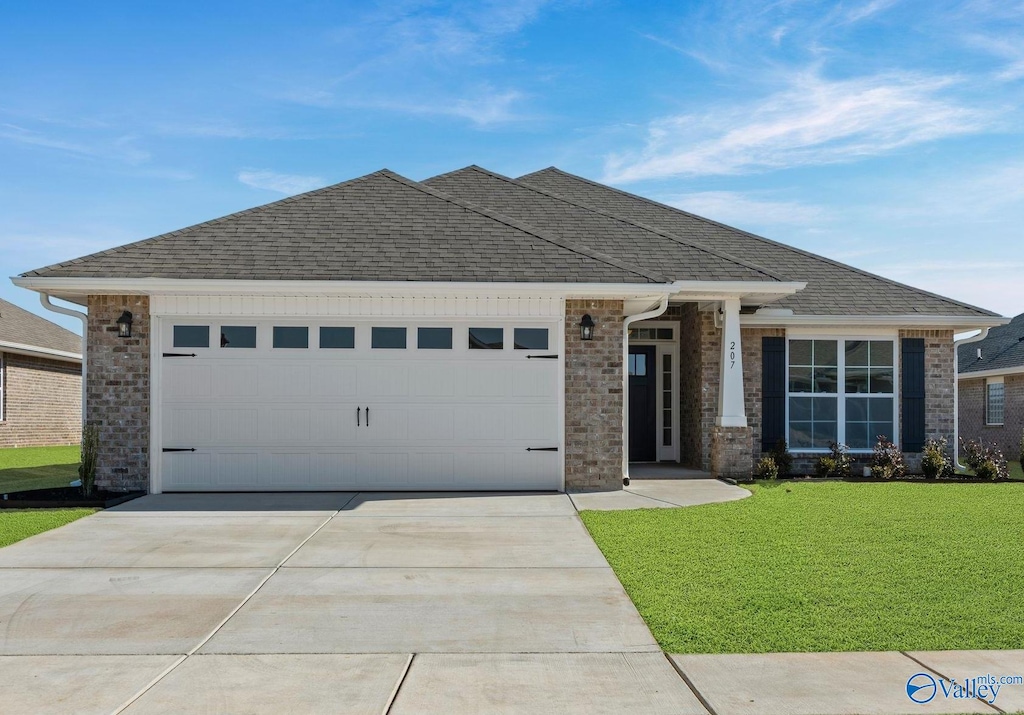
<point x="731" y="410"/>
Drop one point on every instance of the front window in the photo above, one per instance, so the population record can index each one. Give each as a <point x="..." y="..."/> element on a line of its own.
<point x="841" y="391"/>
<point x="995" y="401"/>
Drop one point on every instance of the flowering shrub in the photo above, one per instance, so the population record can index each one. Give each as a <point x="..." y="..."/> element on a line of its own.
<point x="985" y="462"/>
<point x="784" y="460"/>
<point x="887" y="460"/>
<point x="767" y="468"/>
<point x="935" y="462"/>
<point x="837" y="463"/>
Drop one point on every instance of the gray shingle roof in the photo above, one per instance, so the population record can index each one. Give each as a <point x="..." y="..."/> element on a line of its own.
<point x="1002" y="349"/>
<point x="380" y="227"/>
<point x="17" y="325"/>
<point x="832" y="288"/>
<point x="646" y="247"/>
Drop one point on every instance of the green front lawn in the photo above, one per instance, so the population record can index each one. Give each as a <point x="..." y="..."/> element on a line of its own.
<point x="18" y="524"/>
<point x="827" y="567"/>
<point x="1015" y="471"/>
<point x="24" y="468"/>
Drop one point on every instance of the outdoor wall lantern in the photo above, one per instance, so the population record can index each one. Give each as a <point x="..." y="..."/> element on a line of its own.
<point x="124" y="325"/>
<point x="587" y="328"/>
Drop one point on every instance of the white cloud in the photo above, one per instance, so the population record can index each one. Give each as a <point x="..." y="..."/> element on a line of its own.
<point x="740" y="209"/>
<point x="812" y="121"/>
<point x="288" y="184"/>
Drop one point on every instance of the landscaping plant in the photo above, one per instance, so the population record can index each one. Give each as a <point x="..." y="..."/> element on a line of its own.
<point x="935" y="461"/>
<point x="986" y="462"/>
<point x="90" y="450"/>
<point x="887" y="460"/>
<point x="1021" y="456"/>
<point x="784" y="460"/>
<point x="767" y="468"/>
<point x="837" y="463"/>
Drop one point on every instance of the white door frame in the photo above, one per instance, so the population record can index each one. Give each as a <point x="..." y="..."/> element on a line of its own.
<point x="665" y="453"/>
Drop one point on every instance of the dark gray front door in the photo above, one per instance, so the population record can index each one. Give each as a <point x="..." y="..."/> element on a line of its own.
<point x="642" y="404"/>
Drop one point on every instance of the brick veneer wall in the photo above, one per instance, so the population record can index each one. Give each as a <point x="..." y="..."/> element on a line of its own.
<point x="117" y="391"/>
<point x="593" y="397"/>
<point x="972" y="414"/>
<point x="42" y="402"/>
<point x="691" y="387"/>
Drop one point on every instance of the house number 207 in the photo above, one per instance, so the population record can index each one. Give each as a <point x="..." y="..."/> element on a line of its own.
<point x="732" y="354"/>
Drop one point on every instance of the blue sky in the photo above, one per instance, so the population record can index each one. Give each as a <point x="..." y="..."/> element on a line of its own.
<point x="884" y="133"/>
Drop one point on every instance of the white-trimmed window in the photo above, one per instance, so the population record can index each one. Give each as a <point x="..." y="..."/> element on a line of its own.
<point x="3" y="384"/>
<point x="995" y="401"/>
<point x="840" y="390"/>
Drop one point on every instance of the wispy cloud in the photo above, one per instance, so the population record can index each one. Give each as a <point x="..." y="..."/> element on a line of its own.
<point x="812" y="121"/>
<point x="741" y="209"/>
<point x="287" y="184"/>
<point x="122" y="148"/>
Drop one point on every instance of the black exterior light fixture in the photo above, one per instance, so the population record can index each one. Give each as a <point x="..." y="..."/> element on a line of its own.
<point x="124" y="325"/>
<point x="587" y="328"/>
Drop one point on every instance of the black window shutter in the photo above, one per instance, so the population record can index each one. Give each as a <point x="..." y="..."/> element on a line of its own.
<point x="773" y="391"/>
<point x="912" y="394"/>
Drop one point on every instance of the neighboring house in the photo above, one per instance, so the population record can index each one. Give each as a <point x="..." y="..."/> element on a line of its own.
<point x="40" y="381"/>
<point x="992" y="388"/>
<point x="384" y="333"/>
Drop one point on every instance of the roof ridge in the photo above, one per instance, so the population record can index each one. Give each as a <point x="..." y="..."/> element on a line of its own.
<point x="202" y="224"/>
<point x="638" y="224"/>
<point x="527" y="228"/>
<point x="755" y="236"/>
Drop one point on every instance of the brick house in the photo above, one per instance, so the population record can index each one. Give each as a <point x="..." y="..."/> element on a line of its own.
<point x="40" y="381"/>
<point x="473" y="331"/>
<point x="991" y="382"/>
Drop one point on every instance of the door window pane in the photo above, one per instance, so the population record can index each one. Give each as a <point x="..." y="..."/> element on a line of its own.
<point x="638" y="365"/>
<point x="531" y="338"/>
<point x="666" y="400"/>
<point x="388" y="338"/>
<point x="434" y="338"/>
<point x="291" y="336"/>
<point x="486" y="338"/>
<point x="331" y="337"/>
<point x="238" y="336"/>
<point x="191" y="336"/>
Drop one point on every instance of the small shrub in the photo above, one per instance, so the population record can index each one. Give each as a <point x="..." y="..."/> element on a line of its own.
<point x="986" y="462"/>
<point x="837" y="463"/>
<point x="935" y="461"/>
<point x="784" y="460"/>
<point x="90" y="449"/>
<point x="887" y="460"/>
<point x="767" y="468"/>
<point x="1021" y="455"/>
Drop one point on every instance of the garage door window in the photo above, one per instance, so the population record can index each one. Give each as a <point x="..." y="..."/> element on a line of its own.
<point x="434" y="338"/>
<point x="531" y="338"/>
<point x="291" y="337"/>
<point x="486" y="338"/>
<point x="332" y="337"/>
<point x="388" y="338"/>
<point x="191" y="336"/>
<point x="238" y="336"/>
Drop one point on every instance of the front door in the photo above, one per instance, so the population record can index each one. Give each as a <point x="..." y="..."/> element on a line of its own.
<point x="642" y="403"/>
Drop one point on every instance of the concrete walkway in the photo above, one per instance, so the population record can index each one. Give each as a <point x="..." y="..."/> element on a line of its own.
<point x="660" y="494"/>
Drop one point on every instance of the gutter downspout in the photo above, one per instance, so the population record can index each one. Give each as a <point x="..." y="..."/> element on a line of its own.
<point x="630" y="319"/>
<point x="956" y="393"/>
<point x="44" y="298"/>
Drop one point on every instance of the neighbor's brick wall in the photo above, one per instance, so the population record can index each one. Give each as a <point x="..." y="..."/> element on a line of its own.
<point x="42" y="402"/>
<point x="117" y="391"/>
<point x="593" y="397"/>
<point x="972" y="414"/>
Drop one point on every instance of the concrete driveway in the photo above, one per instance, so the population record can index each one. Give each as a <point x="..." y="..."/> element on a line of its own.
<point x="326" y="603"/>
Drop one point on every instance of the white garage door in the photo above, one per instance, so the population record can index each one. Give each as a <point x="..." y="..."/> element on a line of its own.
<point x="252" y="405"/>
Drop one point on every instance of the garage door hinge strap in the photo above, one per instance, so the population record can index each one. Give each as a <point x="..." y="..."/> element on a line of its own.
<point x="179" y="354"/>
<point x="542" y="449"/>
<point x="542" y="357"/>
<point x="179" y="449"/>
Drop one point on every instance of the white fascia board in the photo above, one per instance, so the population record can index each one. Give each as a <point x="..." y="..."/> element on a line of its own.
<point x="762" y="291"/>
<point x="34" y="351"/>
<point x="957" y="322"/>
<point x="998" y="372"/>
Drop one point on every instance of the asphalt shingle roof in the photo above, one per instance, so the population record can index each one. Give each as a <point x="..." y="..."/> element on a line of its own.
<point x="380" y="227"/>
<point x="17" y="325"/>
<point x="832" y="288"/>
<point x="1001" y="349"/>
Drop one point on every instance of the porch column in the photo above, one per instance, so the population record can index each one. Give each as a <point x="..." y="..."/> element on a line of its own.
<point x="731" y="411"/>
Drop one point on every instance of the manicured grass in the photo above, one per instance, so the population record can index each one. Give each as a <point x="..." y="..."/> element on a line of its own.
<point x="1015" y="471"/>
<point x="18" y="524"/>
<point x="24" y="468"/>
<point x="827" y="567"/>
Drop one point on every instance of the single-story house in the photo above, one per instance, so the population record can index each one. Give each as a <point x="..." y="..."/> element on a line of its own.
<point x="40" y="381"/>
<point x="474" y="331"/>
<point x="992" y="388"/>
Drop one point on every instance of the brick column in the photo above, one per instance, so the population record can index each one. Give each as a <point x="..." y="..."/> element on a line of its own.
<point x="593" y="397"/>
<point x="938" y="387"/>
<point x="732" y="452"/>
<point x="117" y="391"/>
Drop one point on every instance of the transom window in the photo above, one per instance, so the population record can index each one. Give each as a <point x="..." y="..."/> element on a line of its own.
<point x="238" y="336"/>
<point x="387" y="338"/>
<point x="434" y="338"/>
<point x="841" y="391"/>
<point x="486" y="338"/>
<point x="290" y="336"/>
<point x="191" y="336"/>
<point x="995" y="401"/>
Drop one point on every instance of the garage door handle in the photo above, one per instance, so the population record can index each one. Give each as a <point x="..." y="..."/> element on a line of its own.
<point x="542" y="449"/>
<point x="359" y="411"/>
<point x="367" y="416"/>
<point x="179" y="449"/>
<point x="541" y="357"/>
<point x="179" y="354"/>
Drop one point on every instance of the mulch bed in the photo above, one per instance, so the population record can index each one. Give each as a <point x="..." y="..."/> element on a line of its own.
<point x="63" y="498"/>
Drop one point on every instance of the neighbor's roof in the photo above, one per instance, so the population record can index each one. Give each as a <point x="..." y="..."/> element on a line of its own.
<point x="20" y="327"/>
<point x="1002" y="349"/>
<point x="832" y="288"/>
